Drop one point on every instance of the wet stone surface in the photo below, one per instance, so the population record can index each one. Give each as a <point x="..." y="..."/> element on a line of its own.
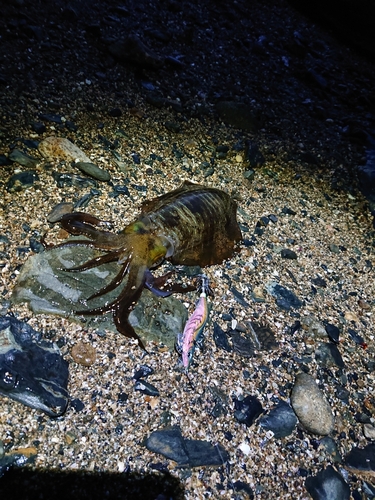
<point x="328" y="484"/>
<point x="48" y="287"/>
<point x="32" y="370"/>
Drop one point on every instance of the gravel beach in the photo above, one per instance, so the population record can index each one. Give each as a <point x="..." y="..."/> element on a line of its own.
<point x="256" y="101"/>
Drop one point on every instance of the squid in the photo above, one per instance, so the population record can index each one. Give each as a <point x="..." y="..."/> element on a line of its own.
<point x="192" y="225"/>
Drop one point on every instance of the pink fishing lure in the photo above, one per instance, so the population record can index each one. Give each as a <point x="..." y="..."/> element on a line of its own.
<point x="187" y="341"/>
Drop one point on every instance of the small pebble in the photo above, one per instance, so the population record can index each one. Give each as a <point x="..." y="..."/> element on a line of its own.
<point x="83" y="354"/>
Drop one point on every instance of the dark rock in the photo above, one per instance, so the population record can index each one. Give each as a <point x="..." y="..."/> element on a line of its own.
<point x="288" y="211"/>
<point x="58" y="211"/>
<point x="115" y="112"/>
<point x="221" y="338"/>
<point x="358" y="339"/>
<point x="362" y="460"/>
<point x="239" y="297"/>
<point x="143" y="371"/>
<point x="36" y="246"/>
<point x="17" y="458"/>
<point x="23" y="159"/>
<point x="186" y="452"/>
<point x="22" y="180"/>
<point x="329" y="355"/>
<point x="4" y="160"/>
<point x="253" y="155"/>
<point x="65" y="179"/>
<point x="366" y="176"/>
<point x="146" y="388"/>
<point x="38" y="127"/>
<point x="328" y="484"/>
<point x="285" y="299"/>
<point x="93" y="171"/>
<point x="281" y="420"/>
<point x="247" y="410"/>
<point x="329" y="445"/>
<point x="318" y="281"/>
<point x="32" y="370"/>
<point x="47" y="117"/>
<point x="286" y="253"/>
<point x="122" y="398"/>
<point x="242" y="344"/>
<point x="333" y="332"/>
<point x="172" y="126"/>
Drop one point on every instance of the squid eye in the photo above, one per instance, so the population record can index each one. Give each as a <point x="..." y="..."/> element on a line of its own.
<point x="168" y="244"/>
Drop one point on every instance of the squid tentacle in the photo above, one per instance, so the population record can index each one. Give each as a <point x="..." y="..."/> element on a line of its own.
<point x="97" y="261"/>
<point x="114" y="283"/>
<point x="125" y="302"/>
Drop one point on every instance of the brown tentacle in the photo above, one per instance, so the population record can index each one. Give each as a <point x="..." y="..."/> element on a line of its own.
<point x="124" y="303"/>
<point x="80" y="223"/>
<point x="97" y="261"/>
<point x="114" y="283"/>
<point x="121" y="316"/>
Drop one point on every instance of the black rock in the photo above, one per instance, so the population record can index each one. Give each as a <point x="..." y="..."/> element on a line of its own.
<point x="358" y="339"/>
<point x="242" y="344"/>
<point x="221" y="339"/>
<point x="281" y="420"/>
<point x="47" y="117"/>
<point x="66" y="179"/>
<point x="333" y="332"/>
<point x="4" y="160"/>
<point x="38" y="127"/>
<point x="115" y="112"/>
<point x="146" y="388"/>
<point x="288" y="211"/>
<point x="247" y="410"/>
<point x="286" y="253"/>
<point x="32" y="370"/>
<point x="285" y="299"/>
<point x="362" y="459"/>
<point x="186" y="452"/>
<point x="239" y="297"/>
<point x="328" y="484"/>
<point x="253" y="154"/>
<point x="17" y="458"/>
<point x="318" y="281"/>
<point x="21" y="181"/>
<point x="143" y="371"/>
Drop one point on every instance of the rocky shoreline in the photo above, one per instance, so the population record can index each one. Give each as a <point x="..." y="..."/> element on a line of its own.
<point x="256" y="101"/>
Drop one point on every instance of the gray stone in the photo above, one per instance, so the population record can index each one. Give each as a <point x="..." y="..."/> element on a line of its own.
<point x="46" y="285"/>
<point x="310" y="406"/>
<point x="23" y="159"/>
<point x="93" y="171"/>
